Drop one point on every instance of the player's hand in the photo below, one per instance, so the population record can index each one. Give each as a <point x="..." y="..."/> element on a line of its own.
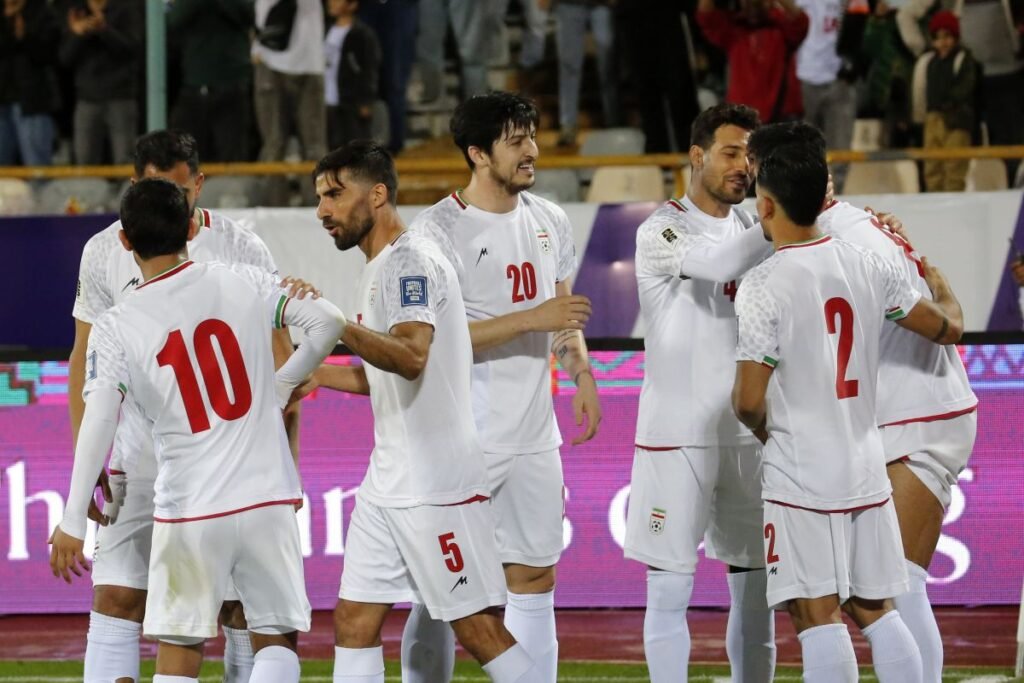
<point x="119" y="490"/>
<point x="304" y="389"/>
<point x="1017" y="270"/>
<point x="300" y="288"/>
<point x="569" y="312"/>
<point x="585" y="403"/>
<point x="889" y="220"/>
<point x="95" y="514"/>
<point x="934" y="277"/>
<point x="66" y="555"/>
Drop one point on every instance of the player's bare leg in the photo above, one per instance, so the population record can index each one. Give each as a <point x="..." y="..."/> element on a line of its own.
<point x="750" y="632"/>
<point x="893" y="650"/>
<point x="504" y="660"/>
<point x="824" y="640"/>
<point x="530" y="614"/>
<point x="358" y="653"/>
<point x="115" y="625"/>
<point x="276" y="659"/>
<point x="179" y="661"/>
<point x="238" y="660"/>
<point x="920" y="517"/>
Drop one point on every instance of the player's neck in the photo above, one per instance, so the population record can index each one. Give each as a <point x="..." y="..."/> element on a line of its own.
<point x="385" y="231"/>
<point x="704" y="201"/>
<point x="786" y="233"/>
<point x="158" y="265"/>
<point x="487" y="195"/>
<point x="344" y="20"/>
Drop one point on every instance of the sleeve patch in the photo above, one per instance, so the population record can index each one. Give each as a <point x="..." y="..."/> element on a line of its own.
<point x="414" y="290"/>
<point x="669" y="235"/>
<point x="91" y="366"/>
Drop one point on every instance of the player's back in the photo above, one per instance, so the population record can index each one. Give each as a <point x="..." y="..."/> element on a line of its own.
<point x="826" y="300"/>
<point x="197" y="342"/>
<point x="917" y="379"/>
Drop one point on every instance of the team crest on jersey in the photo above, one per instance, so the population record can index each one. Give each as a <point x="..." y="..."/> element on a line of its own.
<point x="657" y="524"/>
<point x="414" y="290"/>
<point x="545" y="240"/>
<point x="373" y="294"/>
<point x="669" y="235"/>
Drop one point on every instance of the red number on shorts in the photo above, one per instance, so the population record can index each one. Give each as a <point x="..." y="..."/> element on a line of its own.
<point x="448" y="547"/>
<point x="175" y="354"/>
<point x="769" y="534"/>
<point x="523" y="278"/>
<point x="845" y="388"/>
<point x="730" y="290"/>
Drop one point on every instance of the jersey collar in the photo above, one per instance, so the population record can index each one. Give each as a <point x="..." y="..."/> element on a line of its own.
<point x="807" y="243"/>
<point x="166" y="274"/>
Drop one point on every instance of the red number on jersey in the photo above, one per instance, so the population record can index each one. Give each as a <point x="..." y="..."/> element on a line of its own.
<point x="524" y="281"/>
<point x="175" y="354"/>
<point x="451" y="552"/>
<point x="845" y="388"/>
<point x="769" y="535"/>
<point x="730" y="290"/>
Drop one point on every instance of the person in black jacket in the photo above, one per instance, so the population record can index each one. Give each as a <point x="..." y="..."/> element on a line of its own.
<point x="103" y="47"/>
<point x="353" y="73"/>
<point x="28" y="82"/>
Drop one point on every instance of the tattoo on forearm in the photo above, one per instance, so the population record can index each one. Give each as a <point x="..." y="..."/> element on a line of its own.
<point x="561" y="352"/>
<point x="942" y="330"/>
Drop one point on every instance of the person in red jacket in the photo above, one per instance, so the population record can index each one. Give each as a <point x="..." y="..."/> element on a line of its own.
<point x="760" y="42"/>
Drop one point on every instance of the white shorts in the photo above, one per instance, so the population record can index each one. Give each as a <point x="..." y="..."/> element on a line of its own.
<point x="812" y="554"/>
<point x="441" y="556"/>
<point x="936" y="452"/>
<point x="194" y="562"/>
<point x="679" y="496"/>
<point x="528" y="499"/>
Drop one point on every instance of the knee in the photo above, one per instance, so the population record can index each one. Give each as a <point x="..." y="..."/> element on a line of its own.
<point x="353" y="628"/>
<point x="526" y="580"/>
<point x="120" y="602"/>
<point x="232" y="615"/>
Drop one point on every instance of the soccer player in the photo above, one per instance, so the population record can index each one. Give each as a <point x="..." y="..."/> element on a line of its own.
<point x="696" y="469"/>
<point x="927" y="412"/>
<point x="422" y="528"/>
<point x="107" y="275"/>
<point x="515" y="257"/>
<point x="226" y="484"/>
<point x="810" y="324"/>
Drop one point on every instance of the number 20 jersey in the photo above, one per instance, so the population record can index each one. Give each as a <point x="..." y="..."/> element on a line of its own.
<point x="507" y="263"/>
<point x="192" y="349"/>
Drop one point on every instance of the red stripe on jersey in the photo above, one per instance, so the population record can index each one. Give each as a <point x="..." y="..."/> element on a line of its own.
<point x="656" y="449"/>
<point x="820" y="240"/>
<point x="163" y="276"/>
<point x="677" y="205"/>
<point x="475" y="499"/>
<point x="933" y="418"/>
<point x="458" y="200"/>
<point x="293" y="501"/>
<point x="114" y="472"/>
<point x="829" y="512"/>
<point x="206" y="218"/>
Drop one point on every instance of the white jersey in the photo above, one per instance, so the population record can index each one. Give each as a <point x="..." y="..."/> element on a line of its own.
<point x="918" y="380"/>
<point x="191" y="348"/>
<point x="691" y="332"/>
<point x="108" y="273"/>
<point x="508" y="263"/>
<point x="817" y="61"/>
<point x="426" y="450"/>
<point x="814" y="311"/>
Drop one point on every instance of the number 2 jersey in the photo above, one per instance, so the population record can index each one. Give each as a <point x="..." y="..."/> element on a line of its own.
<point x="108" y="273"/>
<point x="814" y="312"/>
<point x="191" y="349"/>
<point x="507" y="263"/>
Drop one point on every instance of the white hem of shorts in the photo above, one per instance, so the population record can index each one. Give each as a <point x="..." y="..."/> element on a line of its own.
<point x="658" y="563"/>
<point x="526" y="561"/>
<point x="378" y="598"/>
<point x="277" y="621"/>
<point x="778" y="599"/>
<point x="158" y="631"/>
<point x="467" y="608"/>
<point x="121" y="582"/>
<point x="744" y="562"/>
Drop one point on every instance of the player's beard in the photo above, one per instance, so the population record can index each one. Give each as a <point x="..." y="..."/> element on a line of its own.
<point x="509" y="184"/>
<point x="352" y="234"/>
<point x="725" y="193"/>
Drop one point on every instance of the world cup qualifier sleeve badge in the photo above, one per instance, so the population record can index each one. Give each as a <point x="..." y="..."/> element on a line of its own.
<point x="657" y="524"/>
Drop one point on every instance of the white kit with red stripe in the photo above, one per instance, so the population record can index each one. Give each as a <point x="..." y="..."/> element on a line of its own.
<point x="191" y="350"/>
<point x="814" y="312"/>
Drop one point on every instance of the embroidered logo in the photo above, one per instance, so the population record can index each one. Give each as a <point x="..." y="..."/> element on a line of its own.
<point x="657" y="524"/>
<point x="414" y="290"/>
<point x="669" y="235"/>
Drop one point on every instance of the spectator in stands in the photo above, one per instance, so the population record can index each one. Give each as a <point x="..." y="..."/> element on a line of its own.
<point x="760" y="42"/>
<point x="214" y="101"/>
<point x="574" y="17"/>
<point x="474" y="24"/>
<point x="887" y="81"/>
<point x="29" y="94"/>
<point x="944" y="82"/>
<point x="535" y="31"/>
<point x="353" y="74"/>
<point x="102" y="46"/>
<point x="395" y="23"/>
<point x="660" y="71"/>
<point x="1017" y="270"/>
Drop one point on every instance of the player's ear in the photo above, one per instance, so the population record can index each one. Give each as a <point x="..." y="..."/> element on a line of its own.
<point x="478" y="156"/>
<point x="124" y="240"/>
<point x="193" y="227"/>
<point x="199" y="183"/>
<point x="380" y="195"/>
<point x="696" y="157"/>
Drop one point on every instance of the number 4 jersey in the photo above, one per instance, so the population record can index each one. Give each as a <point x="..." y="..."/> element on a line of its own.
<point x="191" y="348"/>
<point x="814" y="312"/>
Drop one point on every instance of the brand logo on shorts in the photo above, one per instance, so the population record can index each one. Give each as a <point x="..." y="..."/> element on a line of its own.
<point x="463" y="581"/>
<point x="657" y="524"/>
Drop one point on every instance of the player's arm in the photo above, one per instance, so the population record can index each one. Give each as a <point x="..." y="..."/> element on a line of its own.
<point x="562" y="312"/>
<point x="403" y="350"/>
<point x="283" y="349"/>
<point x="350" y="379"/>
<point x="323" y="323"/>
<point x="671" y="250"/>
<point x="76" y="377"/>
<point x="941" y="319"/>
<point x="749" y="390"/>
<point x="570" y="349"/>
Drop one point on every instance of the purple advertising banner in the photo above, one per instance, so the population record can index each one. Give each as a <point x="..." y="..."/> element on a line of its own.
<point x="978" y="559"/>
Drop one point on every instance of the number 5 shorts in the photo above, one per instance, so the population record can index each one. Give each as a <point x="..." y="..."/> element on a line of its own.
<point x="442" y="556"/>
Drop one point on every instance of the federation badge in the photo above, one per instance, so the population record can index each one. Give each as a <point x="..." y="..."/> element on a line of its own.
<point x="545" y="241"/>
<point x="657" y="524"/>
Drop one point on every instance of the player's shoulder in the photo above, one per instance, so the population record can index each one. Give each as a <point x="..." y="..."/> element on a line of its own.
<point x="237" y="241"/>
<point x="104" y="242"/>
<point x="416" y="247"/>
<point x="544" y="208"/>
<point x="669" y="219"/>
<point x="440" y="217"/>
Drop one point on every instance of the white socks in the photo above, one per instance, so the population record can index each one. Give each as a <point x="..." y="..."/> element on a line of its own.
<point x="275" y="664"/>
<point x="893" y="650"/>
<point x="163" y="678"/>
<point x="359" y="665"/>
<point x="112" y="649"/>
<point x="530" y="618"/>
<point x="828" y="655"/>
<point x="428" y="648"/>
<point x="916" y="612"/>
<point x="750" y="634"/>
<point x="666" y="635"/>
<point x="238" y="661"/>
<point x="514" y="666"/>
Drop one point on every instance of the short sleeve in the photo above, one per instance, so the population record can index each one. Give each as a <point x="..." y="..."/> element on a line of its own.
<point x="247" y="248"/>
<point x="900" y="294"/>
<point x="268" y="286"/>
<point x="106" y="363"/>
<point x="758" y="316"/>
<point x="662" y="242"/>
<point x="92" y="296"/>
<point x="429" y="229"/>
<point x="412" y="285"/>
<point x="566" y="248"/>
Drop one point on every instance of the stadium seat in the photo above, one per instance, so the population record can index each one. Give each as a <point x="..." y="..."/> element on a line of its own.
<point x="882" y="177"/>
<point x="608" y="142"/>
<point x="557" y="184"/>
<point x="76" y="195"/>
<point x="986" y="174"/>
<point x="230" y="192"/>
<point x="867" y="135"/>
<point x="627" y="184"/>
<point x="16" y="197"/>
